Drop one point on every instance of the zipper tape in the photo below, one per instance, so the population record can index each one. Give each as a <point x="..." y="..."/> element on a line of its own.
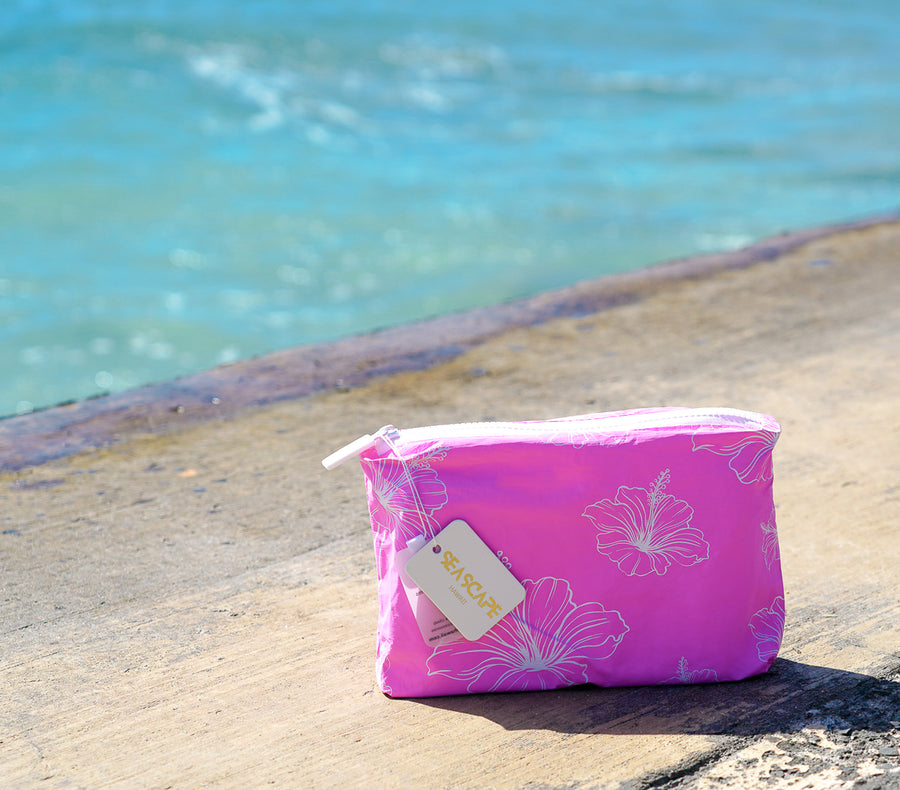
<point x="606" y="423"/>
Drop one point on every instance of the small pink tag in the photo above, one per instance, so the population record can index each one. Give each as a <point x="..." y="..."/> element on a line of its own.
<point x="435" y="628"/>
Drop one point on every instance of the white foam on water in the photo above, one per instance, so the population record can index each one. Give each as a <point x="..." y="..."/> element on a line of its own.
<point x="191" y="183"/>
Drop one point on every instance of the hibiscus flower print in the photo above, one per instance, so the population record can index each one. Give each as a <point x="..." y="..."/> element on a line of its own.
<point x="382" y="667"/>
<point x="687" y="675"/>
<point x="644" y="530"/>
<point x="771" y="553"/>
<point x="435" y="452"/>
<point x="546" y="642"/>
<point x="750" y="455"/>
<point x="767" y="626"/>
<point x="404" y="497"/>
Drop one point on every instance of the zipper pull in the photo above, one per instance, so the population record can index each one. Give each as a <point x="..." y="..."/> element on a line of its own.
<point x="356" y="447"/>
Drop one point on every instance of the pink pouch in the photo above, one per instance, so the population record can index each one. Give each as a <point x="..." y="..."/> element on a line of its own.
<point x="645" y="542"/>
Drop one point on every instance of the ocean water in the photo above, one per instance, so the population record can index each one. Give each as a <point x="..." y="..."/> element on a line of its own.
<point x="184" y="184"/>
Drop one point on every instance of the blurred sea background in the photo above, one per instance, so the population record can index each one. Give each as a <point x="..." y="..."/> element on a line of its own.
<point x="185" y="184"/>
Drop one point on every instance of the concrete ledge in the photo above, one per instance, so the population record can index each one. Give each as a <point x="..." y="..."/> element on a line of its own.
<point x="195" y="606"/>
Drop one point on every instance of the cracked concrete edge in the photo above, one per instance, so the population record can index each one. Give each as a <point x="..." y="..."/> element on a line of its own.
<point x="687" y="769"/>
<point x="809" y="758"/>
<point x="225" y="392"/>
<point x="827" y="749"/>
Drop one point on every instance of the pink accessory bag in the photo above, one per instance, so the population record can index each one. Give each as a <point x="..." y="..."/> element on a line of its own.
<point x="619" y="549"/>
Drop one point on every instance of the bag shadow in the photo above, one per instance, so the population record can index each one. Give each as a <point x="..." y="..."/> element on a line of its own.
<point x="791" y="696"/>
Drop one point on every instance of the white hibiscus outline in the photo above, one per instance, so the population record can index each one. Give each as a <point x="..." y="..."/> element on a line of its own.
<point x="687" y="675"/>
<point x="404" y="497"/>
<point x="771" y="551"/>
<point x="434" y="452"/>
<point x="644" y="530"/>
<point x="546" y="642"/>
<point x="382" y="667"/>
<point x="767" y="626"/>
<point x="750" y="454"/>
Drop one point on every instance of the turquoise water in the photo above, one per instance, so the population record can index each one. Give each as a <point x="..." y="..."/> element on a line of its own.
<point x="184" y="184"/>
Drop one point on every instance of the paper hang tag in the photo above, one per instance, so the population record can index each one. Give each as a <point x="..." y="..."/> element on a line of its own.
<point x="465" y="580"/>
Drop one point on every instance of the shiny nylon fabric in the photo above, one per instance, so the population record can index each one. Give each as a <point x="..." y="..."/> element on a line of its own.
<point x="648" y="550"/>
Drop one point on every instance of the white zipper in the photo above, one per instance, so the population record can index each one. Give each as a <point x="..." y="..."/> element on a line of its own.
<point x="611" y="422"/>
<point x="356" y="447"/>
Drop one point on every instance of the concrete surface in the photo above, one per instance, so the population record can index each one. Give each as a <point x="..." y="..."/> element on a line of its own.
<point x="195" y="606"/>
